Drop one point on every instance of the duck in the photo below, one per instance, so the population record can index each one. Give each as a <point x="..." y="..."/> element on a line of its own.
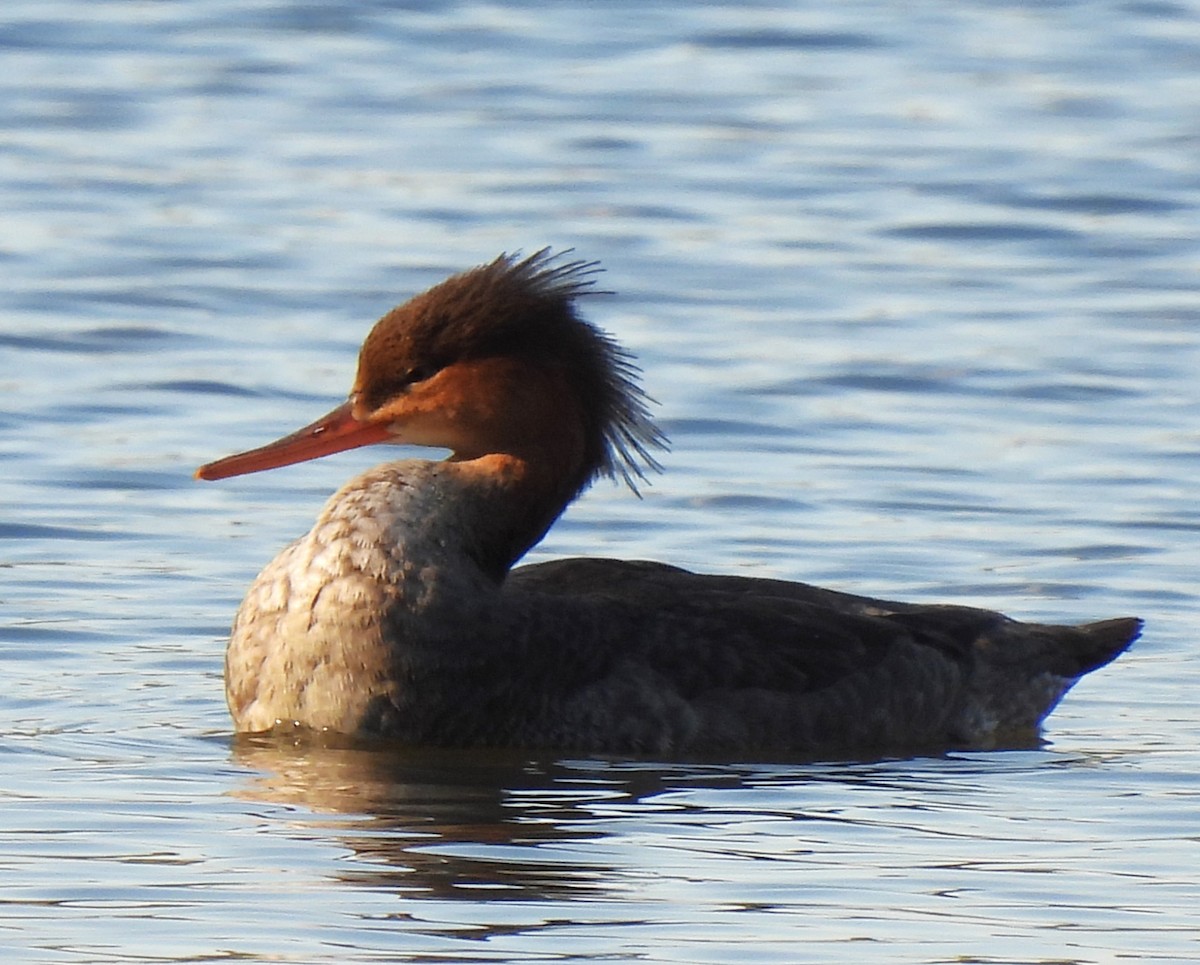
<point x="402" y="616"/>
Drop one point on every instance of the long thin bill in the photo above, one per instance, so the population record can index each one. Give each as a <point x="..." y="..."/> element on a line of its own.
<point x="335" y="432"/>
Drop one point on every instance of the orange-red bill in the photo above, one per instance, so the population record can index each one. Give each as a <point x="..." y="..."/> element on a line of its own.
<point x="335" y="432"/>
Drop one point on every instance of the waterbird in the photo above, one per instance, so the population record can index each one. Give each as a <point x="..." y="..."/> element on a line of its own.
<point x="401" y="614"/>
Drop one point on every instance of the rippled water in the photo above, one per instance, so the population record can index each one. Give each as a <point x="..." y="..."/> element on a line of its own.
<point x="917" y="291"/>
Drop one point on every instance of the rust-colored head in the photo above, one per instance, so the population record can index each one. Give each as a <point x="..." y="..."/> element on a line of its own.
<point x="494" y="360"/>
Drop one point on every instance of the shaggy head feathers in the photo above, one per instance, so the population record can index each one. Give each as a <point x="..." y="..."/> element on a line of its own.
<point x="525" y="308"/>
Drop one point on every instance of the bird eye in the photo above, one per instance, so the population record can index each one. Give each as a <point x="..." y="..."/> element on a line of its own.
<point x="379" y="389"/>
<point x="419" y="373"/>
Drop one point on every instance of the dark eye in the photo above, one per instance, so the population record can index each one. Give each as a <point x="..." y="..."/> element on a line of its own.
<point x="379" y="389"/>
<point x="419" y="373"/>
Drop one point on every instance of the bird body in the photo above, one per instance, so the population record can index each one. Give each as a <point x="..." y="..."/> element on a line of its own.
<point x="400" y="614"/>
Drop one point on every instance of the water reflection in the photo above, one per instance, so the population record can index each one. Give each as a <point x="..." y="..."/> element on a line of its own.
<point x="497" y="824"/>
<point x="441" y="822"/>
<point x="504" y="824"/>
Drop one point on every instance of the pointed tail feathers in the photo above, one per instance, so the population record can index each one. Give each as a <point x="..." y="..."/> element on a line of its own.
<point x="1095" y="644"/>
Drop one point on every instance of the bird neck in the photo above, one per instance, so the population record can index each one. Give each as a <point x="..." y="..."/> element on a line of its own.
<point x="442" y="521"/>
<point x="508" y="503"/>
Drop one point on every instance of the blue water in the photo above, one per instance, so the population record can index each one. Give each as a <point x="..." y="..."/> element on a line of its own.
<point x="916" y="290"/>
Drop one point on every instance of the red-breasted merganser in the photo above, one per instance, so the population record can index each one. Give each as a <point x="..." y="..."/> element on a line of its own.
<point x="399" y="614"/>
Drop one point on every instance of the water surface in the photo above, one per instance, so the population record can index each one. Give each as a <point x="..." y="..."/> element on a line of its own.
<point x="916" y="293"/>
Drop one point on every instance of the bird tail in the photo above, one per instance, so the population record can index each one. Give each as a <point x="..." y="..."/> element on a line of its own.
<point x="1090" y="646"/>
<point x="1023" y="670"/>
